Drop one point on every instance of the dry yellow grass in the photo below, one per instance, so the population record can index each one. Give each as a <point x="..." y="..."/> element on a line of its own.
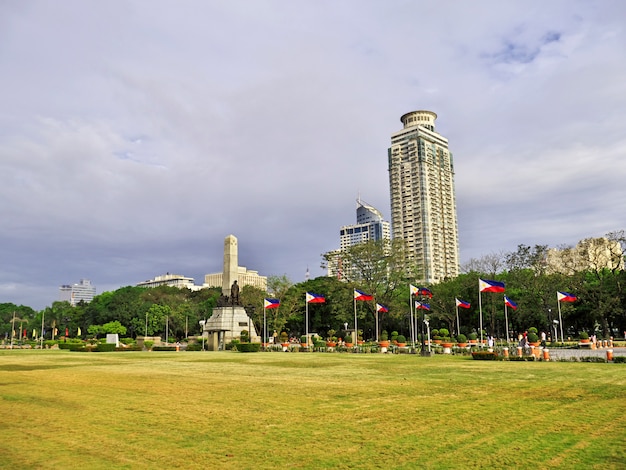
<point x="270" y="410"/>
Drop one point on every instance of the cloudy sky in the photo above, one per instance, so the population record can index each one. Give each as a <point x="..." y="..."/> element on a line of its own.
<point x="135" y="135"/>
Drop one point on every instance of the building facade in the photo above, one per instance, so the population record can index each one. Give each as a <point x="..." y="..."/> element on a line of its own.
<point x="423" y="203"/>
<point x="172" y="280"/>
<point x="74" y="293"/>
<point x="370" y="226"/>
<point x="590" y="254"/>
<point x="245" y="277"/>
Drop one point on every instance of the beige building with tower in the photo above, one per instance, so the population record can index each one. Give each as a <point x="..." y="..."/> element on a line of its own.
<point x="423" y="203"/>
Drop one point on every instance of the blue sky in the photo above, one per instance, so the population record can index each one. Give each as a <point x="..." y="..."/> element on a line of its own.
<point x="135" y="135"/>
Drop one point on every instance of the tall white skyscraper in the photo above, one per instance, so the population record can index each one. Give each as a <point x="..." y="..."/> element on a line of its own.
<point x="423" y="204"/>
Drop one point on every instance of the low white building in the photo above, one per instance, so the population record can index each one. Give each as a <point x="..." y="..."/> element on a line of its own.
<point x="172" y="280"/>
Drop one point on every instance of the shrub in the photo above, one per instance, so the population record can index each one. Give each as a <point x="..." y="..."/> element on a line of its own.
<point x="444" y="332"/>
<point x="384" y="336"/>
<point x="105" y="347"/>
<point x="319" y="344"/>
<point x="71" y="346"/>
<point x="484" y="356"/>
<point x="532" y="329"/>
<point x="194" y="347"/>
<point x="619" y="359"/>
<point x="584" y="335"/>
<point x="148" y="344"/>
<point x="249" y="347"/>
<point x="348" y="339"/>
<point x="394" y="336"/>
<point x="401" y="339"/>
<point x="461" y="338"/>
<point x="473" y="336"/>
<point x="533" y="337"/>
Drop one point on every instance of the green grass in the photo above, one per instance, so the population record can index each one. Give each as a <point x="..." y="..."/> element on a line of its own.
<point x="225" y="410"/>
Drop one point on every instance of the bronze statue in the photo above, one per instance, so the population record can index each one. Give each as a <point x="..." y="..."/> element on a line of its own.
<point x="234" y="294"/>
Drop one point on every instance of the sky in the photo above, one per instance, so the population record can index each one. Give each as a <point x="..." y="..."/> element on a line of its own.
<point x="135" y="135"/>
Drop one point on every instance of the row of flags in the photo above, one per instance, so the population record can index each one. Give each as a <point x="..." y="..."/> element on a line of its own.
<point x="484" y="285"/>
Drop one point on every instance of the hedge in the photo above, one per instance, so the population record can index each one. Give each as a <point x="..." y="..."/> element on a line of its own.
<point x="249" y="347"/>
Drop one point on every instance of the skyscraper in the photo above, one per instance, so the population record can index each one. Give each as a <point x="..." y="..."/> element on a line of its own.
<point x="369" y="226"/>
<point x="423" y="205"/>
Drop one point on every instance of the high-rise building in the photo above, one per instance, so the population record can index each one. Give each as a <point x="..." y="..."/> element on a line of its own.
<point x="74" y="293"/>
<point x="369" y="226"/>
<point x="423" y="205"/>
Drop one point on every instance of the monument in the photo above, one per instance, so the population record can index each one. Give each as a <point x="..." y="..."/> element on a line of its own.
<point x="229" y="318"/>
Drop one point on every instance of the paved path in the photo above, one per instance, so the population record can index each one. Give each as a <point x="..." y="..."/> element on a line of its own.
<point x="558" y="353"/>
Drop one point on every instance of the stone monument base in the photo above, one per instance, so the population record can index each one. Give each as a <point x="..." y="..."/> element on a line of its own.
<point x="226" y="324"/>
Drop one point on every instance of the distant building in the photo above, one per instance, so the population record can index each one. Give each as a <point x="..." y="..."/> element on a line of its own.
<point x="593" y="254"/>
<point x="245" y="277"/>
<point x="369" y="226"/>
<point x="74" y="293"/>
<point x="172" y="280"/>
<point x="423" y="205"/>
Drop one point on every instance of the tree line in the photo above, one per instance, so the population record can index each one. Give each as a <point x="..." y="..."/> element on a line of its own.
<point x="375" y="268"/>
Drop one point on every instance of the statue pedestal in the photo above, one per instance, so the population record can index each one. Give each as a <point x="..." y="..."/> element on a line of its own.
<point x="226" y="324"/>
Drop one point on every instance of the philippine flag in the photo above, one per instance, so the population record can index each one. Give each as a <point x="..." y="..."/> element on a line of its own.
<point x="490" y="286"/>
<point x="413" y="289"/>
<point x="360" y="295"/>
<point x="381" y="308"/>
<point x="312" y="298"/>
<point x="462" y="303"/>
<point x="271" y="303"/>
<point x="566" y="297"/>
<point x="424" y="292"/>
<point x="509" y="303"/>
<point x="422" y="306"/>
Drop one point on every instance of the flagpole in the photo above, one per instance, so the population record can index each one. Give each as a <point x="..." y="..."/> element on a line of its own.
<point x="480" y="308"/>
<point x="263" y="341"/>
<point x="306" y="320"/>
<point x="458" y="324"/>
<point x="506" y="321"/>
<point x="558" y="302"/>
<point x="43" y="315"/>
<point x="411" y="319"/>
<point x="356" y="334"/>
<point x="376" y="313"/>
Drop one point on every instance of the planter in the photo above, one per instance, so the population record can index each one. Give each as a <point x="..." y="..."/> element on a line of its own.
<point x="360" y="342"/>
<point x="349" y="345"/>
<point x="473" y="341"/>
<point x="437" y="341"/>
<point x="536" y="343"/>
<point x="446" y="345"/>
<point x="331" y="344"/>
<point x="462" y="345"/>
<point x="402" y="345"/>
<point x="383" y="344"/>
<point x="585" y="340"/>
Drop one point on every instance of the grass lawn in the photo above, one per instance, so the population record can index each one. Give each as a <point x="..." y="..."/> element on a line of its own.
<point x="62" y="409"/>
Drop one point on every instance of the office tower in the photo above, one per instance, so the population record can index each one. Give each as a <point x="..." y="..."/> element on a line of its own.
<point x="73" y="294"/>
<point x="369" y="226"/>
<point x="423" y="206"/>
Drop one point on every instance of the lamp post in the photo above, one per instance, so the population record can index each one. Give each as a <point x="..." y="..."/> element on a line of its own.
<point x="202" y="322"/>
